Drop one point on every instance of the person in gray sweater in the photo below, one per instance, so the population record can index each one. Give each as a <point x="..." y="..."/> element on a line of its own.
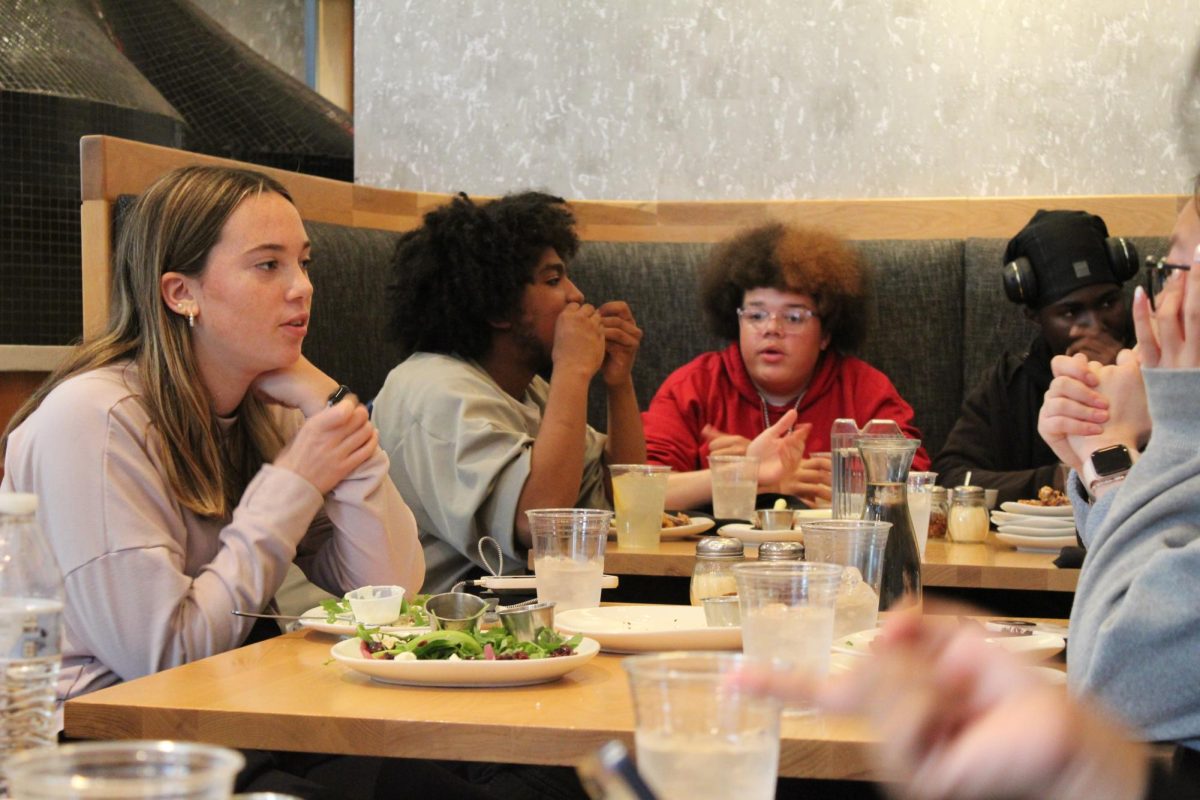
<point x="1134" y="621"/>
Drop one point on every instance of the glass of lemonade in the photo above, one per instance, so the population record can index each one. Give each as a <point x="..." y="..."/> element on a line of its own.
<point x="920" y="493"/>
<point x="698" y="736"/>
<point x="639" y="494"/>
<point x="734" y="486"/>
<point x="568" y="555"/>
<point x="787" y="613"/>
<point x="858" y="546"/>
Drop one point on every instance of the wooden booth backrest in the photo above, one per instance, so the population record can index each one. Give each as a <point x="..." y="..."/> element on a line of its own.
<point x="939" y="315"/>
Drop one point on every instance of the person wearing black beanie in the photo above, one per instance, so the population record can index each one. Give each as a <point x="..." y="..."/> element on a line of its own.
<point x="1067" y="272"/>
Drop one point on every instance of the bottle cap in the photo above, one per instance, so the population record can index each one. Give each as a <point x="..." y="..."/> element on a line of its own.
<point x="780" y="551"/>
<point x="720" y="547"/>
<point x="967" y="493"/>
<point x="18" y="503"/>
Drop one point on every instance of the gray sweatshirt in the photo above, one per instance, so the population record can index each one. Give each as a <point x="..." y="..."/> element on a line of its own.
<point x="1135" y="625"/>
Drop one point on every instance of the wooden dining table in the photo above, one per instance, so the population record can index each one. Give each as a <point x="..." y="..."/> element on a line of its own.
<point x="286" y="694"/>
<point x="988" y="565"/>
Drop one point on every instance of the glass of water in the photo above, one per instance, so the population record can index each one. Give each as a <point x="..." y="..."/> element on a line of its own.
<point x="122" y="770"/>
<point x="568" y="555"/>
<point x="920" y="495"/>
<point x="699" y="737"/>
<point x="734" y="486"/>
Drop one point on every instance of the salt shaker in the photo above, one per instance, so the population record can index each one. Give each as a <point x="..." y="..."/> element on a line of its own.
<point x="713" y="573"/>
<point x="967" y="520"/>
<point x="780" y="551"/>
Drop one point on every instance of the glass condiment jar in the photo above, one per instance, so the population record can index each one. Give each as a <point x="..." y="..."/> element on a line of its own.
<point x="780" y="551"/>
<point x="967" y="519"/>
<point x="713" y="573"/>
<point x="939" y="505"/>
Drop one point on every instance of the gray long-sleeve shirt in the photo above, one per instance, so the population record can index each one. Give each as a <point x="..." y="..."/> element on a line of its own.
<point x="1135" y="624"/>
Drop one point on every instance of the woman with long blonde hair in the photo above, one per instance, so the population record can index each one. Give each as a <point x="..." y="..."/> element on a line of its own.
<point x="189" y="454"/>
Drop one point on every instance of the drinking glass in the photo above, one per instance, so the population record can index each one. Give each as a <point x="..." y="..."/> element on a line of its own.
<point x="699" y="737"/>
<point x="734" y="486"/>
<point x="120" y="770"/>
<point x="568" y="555"/>
<point x="639" y="494"/>
<point x="858" y="546"/>
<point x="920" y="496"/>
<point x="787" y="612"/>
<point x="849" y="480"/>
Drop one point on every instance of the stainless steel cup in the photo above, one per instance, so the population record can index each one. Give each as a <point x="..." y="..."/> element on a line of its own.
<point x="525" y="622"/>
<point x="455" y="611"/>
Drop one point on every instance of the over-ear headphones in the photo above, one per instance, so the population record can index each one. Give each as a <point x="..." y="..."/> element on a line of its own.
<point x="1021" y="283"/>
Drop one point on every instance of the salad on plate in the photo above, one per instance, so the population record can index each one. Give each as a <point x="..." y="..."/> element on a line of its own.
<point x="494" y="644"/>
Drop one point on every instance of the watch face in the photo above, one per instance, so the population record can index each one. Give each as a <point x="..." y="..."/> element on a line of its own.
<point x="1111" y="460"/>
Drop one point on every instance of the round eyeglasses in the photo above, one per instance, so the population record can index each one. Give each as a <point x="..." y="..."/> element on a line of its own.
<point x="791" y="321"/>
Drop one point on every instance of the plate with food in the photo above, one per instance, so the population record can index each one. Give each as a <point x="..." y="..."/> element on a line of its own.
<point x="1050" y="502"/>
<point x="752" y="535"/>
<point x="648" y="628"/>
<point x="676" y="525"/>
<point x="460" y="659"/>
<point x="1035" y="645"/>
<point x="1037" y="544"/>
<point x="336" y="617"/>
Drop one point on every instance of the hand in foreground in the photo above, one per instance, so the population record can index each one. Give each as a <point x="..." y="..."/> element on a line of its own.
<point x="810" y="479"/>
<point x="1128" y="417"/>
<point x="330" y="445"/>
<point x="622" y="337"/>
<point x="958" y="718"/>
<point x="1101" y="347"/>
<point x="300" y="385"/>
<point x="1072" y="407"/>
<point x="578" y="339"/>
<point x="1170" y="336"/>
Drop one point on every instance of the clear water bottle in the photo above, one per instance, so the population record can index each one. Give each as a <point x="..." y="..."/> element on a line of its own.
<point x="31" y="605"/>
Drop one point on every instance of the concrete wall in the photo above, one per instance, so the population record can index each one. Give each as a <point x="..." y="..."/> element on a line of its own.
<point x="720" y="99"/>
<point x="273" y="28"/>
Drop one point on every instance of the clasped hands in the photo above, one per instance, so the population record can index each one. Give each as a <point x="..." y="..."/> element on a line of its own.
<point x="782" y="466"/>
<point x="1090" y="405"/>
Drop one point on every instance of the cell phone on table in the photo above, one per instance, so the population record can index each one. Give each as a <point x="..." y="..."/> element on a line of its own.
<point x="609" y="774"/>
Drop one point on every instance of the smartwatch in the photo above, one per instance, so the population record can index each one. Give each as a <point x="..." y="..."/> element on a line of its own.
<point x="1106" y="465"/>
<point x="337" y="395"/>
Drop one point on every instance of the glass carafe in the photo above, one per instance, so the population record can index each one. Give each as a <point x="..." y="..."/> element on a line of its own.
<point x="886" y="461"/>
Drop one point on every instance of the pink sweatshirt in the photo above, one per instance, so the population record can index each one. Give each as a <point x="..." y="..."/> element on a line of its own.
<point x="151" y="585"/>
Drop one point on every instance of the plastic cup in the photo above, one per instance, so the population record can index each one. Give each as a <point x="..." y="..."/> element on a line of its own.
<point x="122" y="770"/>
<point x="787" y="613"/>
<point x="376" y="605"/>
<point x="639" y="495"/>
<point x="699" y="737"/>
<point x="920" y="501"/>
<point x="857" y="545"/>
<point x="734" y="486"/>
<point x="568" y="555"/>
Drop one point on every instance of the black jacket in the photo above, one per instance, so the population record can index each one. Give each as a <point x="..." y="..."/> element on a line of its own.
<point x="996" y="437"/>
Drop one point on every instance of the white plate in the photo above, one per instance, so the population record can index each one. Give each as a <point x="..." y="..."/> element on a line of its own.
<point x="1041" y="533"/>
<point x="1051" y="675"/>
<point x="811" y="514"/>
<point x="463" y="673"/>
<point x="1037" y="511"/>
<point x="751" y="535"/>
<point x="678" y="532"/>
<point x="648" y="628"/>
<point x="1038" y="645"/>
<point x="1049" y="523"/>
<point x="346" y="626"/>
<point x="1037" y="544"/>
<point x="509" y="583"/>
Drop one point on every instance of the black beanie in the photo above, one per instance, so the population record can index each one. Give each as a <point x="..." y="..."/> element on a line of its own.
<point x="1067" y="251"/>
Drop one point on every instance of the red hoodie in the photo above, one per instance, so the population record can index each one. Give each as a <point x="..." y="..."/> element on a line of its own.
<point x="715" y="389"/>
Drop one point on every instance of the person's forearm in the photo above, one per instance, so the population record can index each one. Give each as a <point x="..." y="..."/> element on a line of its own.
<point x="556" y="461"/>
<point x="626" y="439"/>
<point x="689" y="489"/>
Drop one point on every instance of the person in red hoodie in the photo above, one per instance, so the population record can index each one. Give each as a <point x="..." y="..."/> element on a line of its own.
<point x="791" y="302"/>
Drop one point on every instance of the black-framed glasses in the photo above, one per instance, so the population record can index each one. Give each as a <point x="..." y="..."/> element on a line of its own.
<point x="792" y="321"/>
<point x="1157" y="272"/>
